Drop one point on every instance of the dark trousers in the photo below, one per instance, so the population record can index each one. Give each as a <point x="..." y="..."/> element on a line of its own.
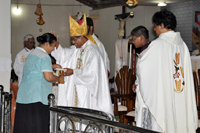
<point x="32" y="118"/>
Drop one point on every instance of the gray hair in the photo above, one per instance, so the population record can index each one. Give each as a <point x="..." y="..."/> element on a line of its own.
<point x="26" y="37"/>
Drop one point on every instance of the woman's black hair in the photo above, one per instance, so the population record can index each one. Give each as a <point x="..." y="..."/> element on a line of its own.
<point x="47" y="37"/>
<point x="165" y="17"/>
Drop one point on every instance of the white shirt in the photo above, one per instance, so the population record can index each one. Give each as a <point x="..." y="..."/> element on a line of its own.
<point x="19" y="63"/>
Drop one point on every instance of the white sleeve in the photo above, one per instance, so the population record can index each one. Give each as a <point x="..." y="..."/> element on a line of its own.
<point x="104" y="56"/>
<point x="93" y="77"/>
<point x="18" y="66"/>
<point x="86" y="75"/>
<point x="108" y="63"/>
<point x="58" y="53"/>
<point x="90" y="75"/>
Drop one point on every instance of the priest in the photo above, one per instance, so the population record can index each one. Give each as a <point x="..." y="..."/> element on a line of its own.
<point x="86" y="83"/>
<point x="164" y="87"/>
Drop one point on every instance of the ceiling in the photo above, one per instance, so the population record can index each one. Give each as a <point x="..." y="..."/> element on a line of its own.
<point x="100" y="4"/>
<point x="95" y="4"/>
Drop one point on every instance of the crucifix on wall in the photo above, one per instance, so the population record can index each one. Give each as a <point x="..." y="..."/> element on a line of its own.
<point x="123" y="46"/>
<point x="122" y="22"/>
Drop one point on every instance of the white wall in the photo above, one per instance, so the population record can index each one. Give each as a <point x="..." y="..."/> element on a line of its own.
<point x="106" y="27"/>
<point x="56" y="18"/>
<point x="142" y="16"/>
<point x="5" y="45"/>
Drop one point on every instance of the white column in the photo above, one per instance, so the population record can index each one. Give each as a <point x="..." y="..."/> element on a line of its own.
<point x="5" y="44"/>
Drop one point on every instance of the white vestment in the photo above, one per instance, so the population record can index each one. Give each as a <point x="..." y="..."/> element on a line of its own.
<point x="165" y="85"/>
<point x="103" y="52"/>
<point x="91" y="80"/>
<point x="19" y="63"/>
<point x="121" y="55"/>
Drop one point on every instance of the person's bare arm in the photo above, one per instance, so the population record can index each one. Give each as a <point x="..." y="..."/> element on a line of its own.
<point x="52" y="78"/>
<point x="68" y="72"/>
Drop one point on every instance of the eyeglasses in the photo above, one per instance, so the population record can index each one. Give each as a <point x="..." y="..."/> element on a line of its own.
<point x="31" y="42"/>
<point x="74" y="40"/>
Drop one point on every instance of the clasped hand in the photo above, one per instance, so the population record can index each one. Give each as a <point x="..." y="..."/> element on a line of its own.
<point x="68" y="72"/>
